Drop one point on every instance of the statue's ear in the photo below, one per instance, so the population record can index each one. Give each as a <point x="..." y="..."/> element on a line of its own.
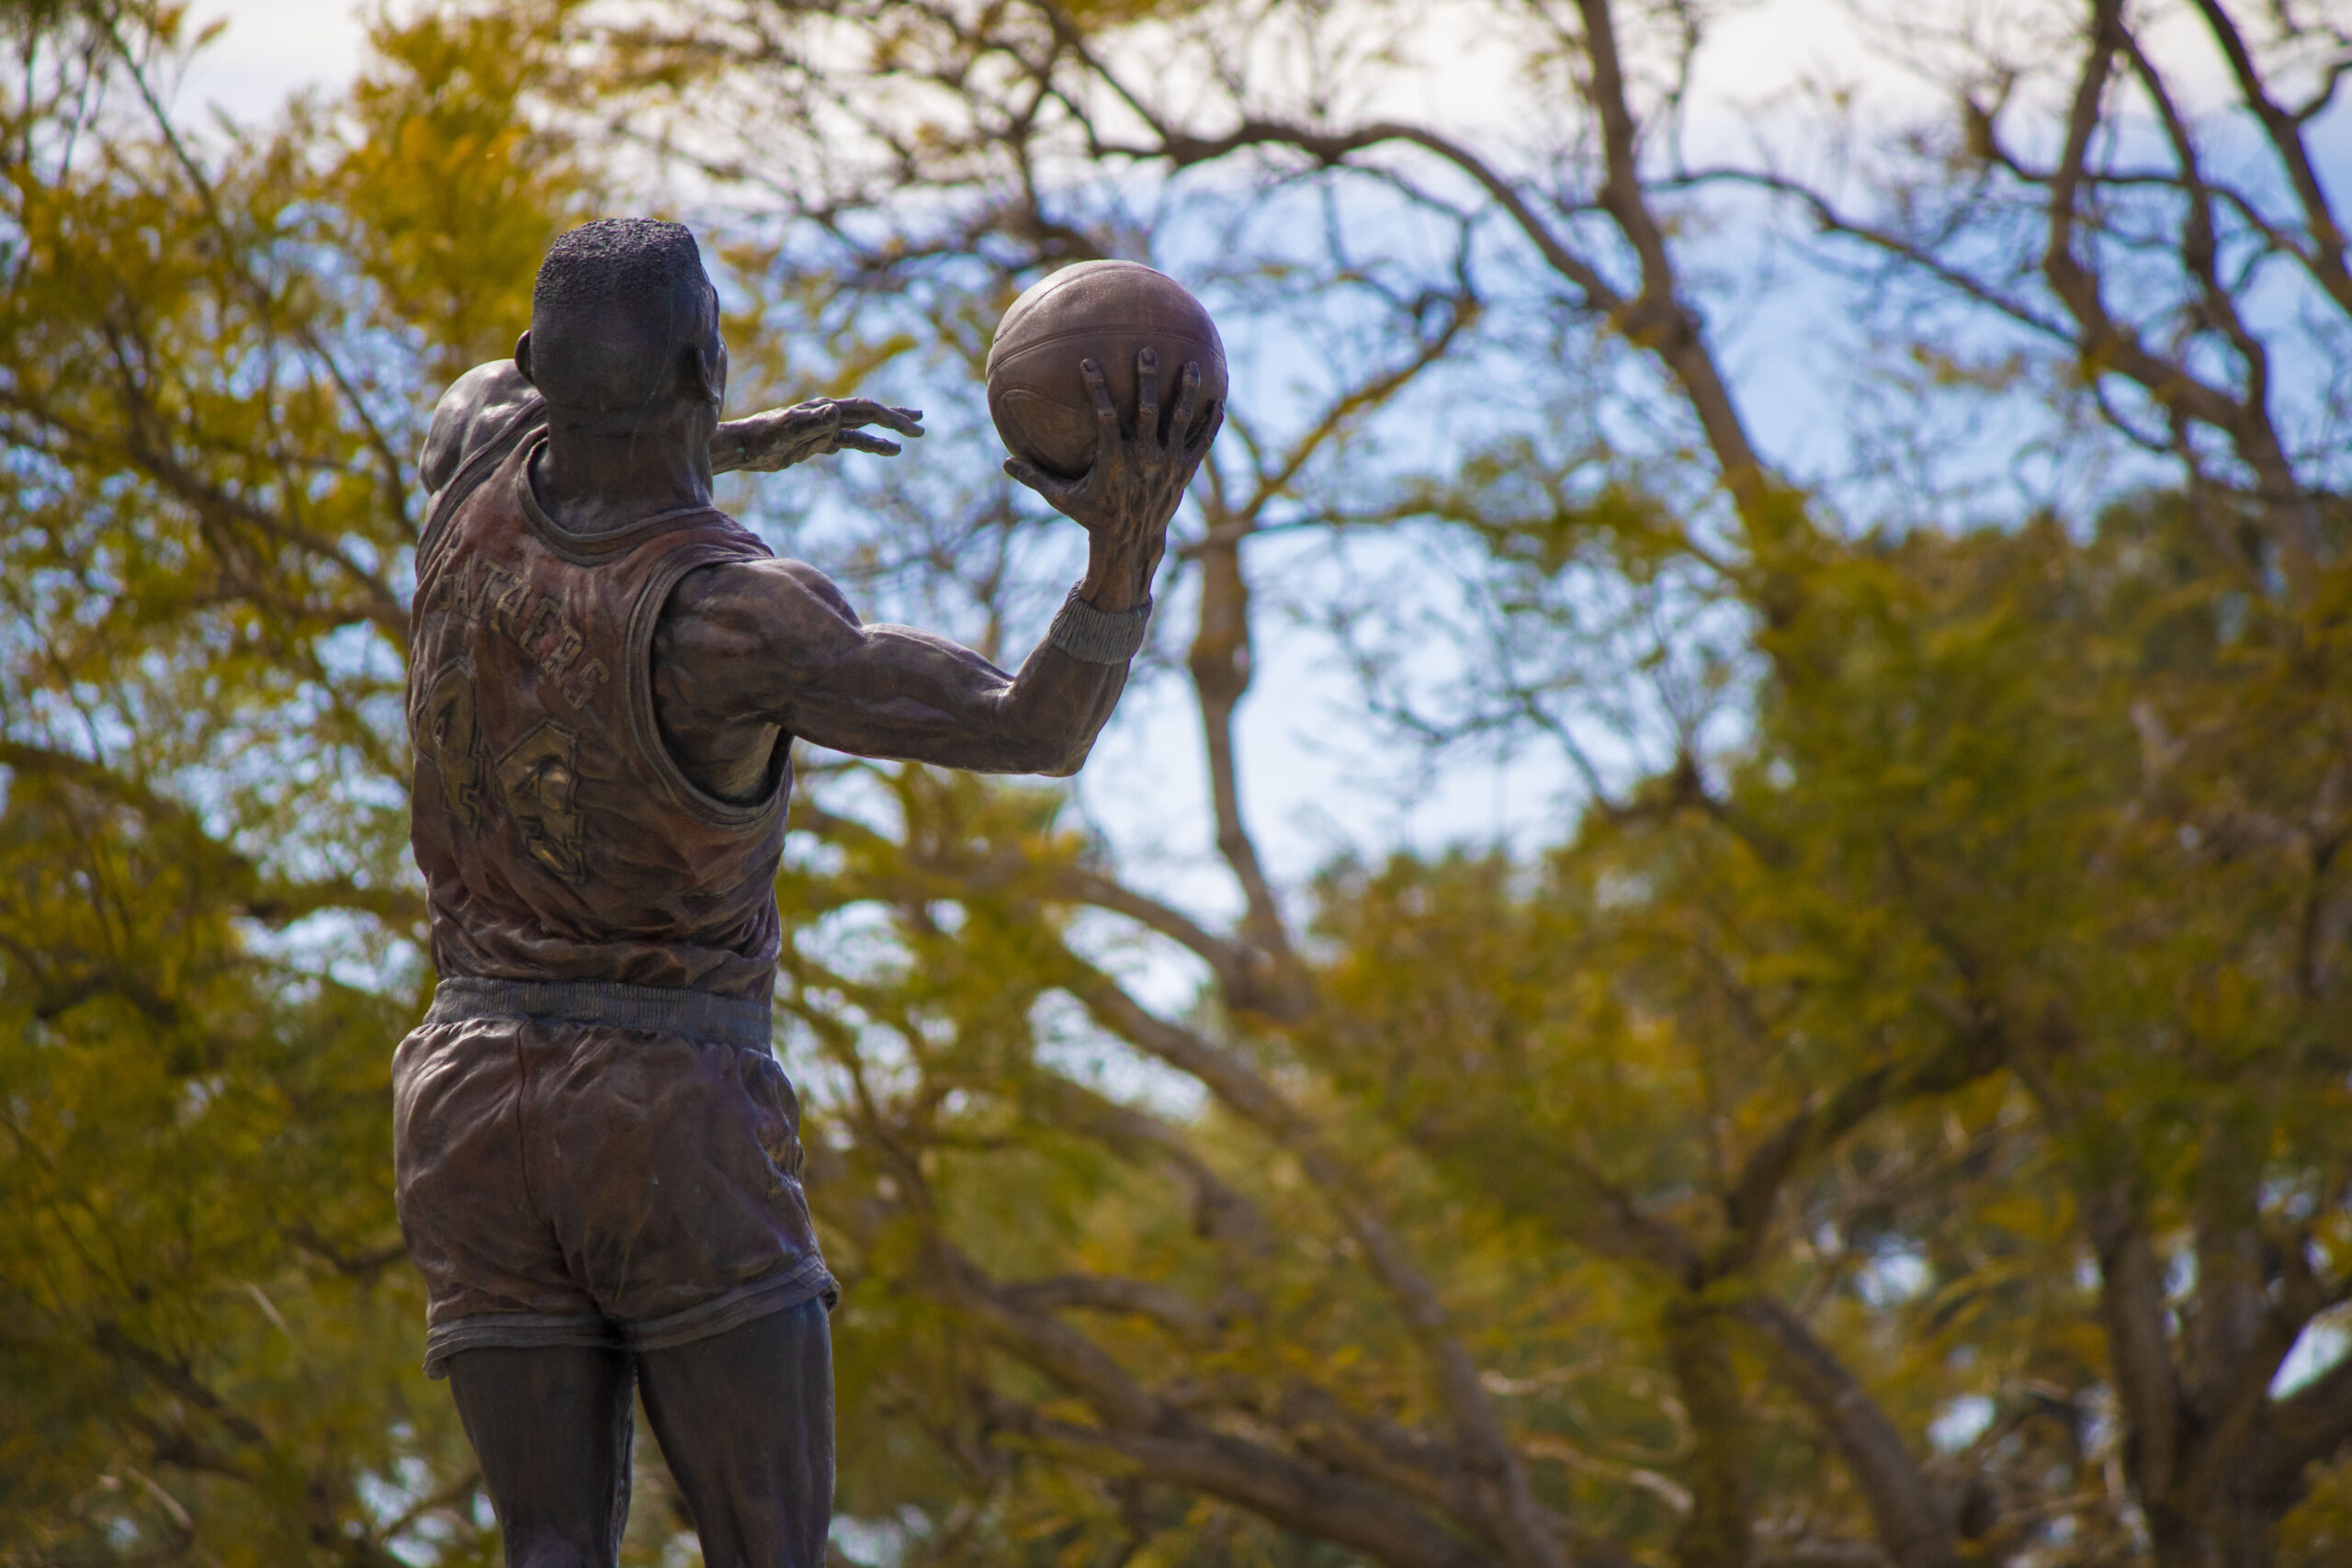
<point x="523" y="356"/>
<point x="703" y="374"/>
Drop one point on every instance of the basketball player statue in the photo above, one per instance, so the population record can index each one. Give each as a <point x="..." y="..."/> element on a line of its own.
<point x="597" y="1157"/>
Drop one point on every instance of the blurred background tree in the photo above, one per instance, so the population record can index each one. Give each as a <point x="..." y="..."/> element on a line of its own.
<point x="1886" y="1107"/>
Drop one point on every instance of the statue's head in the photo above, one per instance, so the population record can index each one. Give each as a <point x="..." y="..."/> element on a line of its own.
<point x="624" y="329"/>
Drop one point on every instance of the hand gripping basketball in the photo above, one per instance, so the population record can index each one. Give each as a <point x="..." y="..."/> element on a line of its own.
<point x="1126" y="499"/>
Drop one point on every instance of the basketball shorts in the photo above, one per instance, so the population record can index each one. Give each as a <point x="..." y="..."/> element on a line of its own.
<point x="566" y="1182"/>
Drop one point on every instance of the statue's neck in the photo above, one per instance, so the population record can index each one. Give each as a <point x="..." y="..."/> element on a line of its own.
<point x="595" y="483"/>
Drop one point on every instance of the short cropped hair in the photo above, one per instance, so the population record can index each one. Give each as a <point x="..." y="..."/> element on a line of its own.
<point x="617" y="303"/>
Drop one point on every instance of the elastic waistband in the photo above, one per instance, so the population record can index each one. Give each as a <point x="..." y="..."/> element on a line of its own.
<point x="694" y="1015"/>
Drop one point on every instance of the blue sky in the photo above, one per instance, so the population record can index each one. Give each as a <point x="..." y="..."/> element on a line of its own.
<point x="1317" y="779"/>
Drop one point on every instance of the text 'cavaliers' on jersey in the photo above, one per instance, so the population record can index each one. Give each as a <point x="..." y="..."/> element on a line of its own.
<point x="557" y="837"/>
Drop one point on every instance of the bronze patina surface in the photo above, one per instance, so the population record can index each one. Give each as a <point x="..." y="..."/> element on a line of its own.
<point x="599" y="1165"/>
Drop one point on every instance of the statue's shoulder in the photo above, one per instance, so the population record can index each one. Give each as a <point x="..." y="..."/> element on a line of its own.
<point x="478" y="407"/>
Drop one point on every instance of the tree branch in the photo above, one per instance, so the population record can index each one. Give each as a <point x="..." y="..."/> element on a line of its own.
<point x="1497" y="1468"/>
<point x="229" y="874"/>
<point x="1915" y="1524"/>
<point x="1170" y="1309"/>
<point x="2107" y="344"/>
<point x="1342" y="1509"/>
<point x="1967" y="1053"/>
<point x="2325" y="259"/>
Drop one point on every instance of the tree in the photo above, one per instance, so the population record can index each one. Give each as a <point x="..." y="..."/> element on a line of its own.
<point x="1891" y="1121"/>
<point x="2136" y="272"/>
<point x="212" y="349"/>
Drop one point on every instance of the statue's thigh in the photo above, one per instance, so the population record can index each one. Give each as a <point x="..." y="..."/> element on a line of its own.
<point x="745" y="1420"/>
<point x="551" y="1427"/>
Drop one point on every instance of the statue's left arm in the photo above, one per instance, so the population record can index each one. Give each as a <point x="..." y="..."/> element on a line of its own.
<point x="487" y="402"/>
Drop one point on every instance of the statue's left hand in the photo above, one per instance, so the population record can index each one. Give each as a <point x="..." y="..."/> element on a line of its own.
<point x="777" y="438"/>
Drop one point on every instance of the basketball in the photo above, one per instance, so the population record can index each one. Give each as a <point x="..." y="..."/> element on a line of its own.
<point x="1107" y="311"/>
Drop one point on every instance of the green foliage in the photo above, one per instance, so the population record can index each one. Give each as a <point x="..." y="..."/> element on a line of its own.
<point x="1902" y="1125"/>
<point x="447" y="196"/>
<point x="1875" y="1027"/>
<point x="210" y="360"/>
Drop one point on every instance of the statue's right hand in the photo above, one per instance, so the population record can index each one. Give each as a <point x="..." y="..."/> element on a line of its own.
<point x="1132" y="490"/>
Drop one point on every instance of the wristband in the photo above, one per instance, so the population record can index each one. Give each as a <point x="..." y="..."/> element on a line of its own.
<point x="1098" y="637"/>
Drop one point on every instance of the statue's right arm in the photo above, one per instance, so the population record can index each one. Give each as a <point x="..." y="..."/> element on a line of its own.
<point x="773" y="643"/>
<point x="754" y="647"/>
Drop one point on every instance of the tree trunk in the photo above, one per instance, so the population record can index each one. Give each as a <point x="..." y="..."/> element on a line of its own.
<point x="1720" y="1531"/>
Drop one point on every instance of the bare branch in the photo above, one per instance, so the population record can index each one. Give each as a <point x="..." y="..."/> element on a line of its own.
<point x="2325" y="259"/>
<point x="2108" y="344"/>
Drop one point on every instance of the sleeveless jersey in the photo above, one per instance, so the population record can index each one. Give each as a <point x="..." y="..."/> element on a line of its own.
<point x="557" y="837"/>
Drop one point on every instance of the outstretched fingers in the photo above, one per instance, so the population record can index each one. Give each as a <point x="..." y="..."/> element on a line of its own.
<point x="858" y="441"/>
<point x="864" y="410"/>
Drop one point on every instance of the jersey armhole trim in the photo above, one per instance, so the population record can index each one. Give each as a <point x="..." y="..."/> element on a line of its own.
<point x="479" y="466"/>
<point x="645" y="726"/>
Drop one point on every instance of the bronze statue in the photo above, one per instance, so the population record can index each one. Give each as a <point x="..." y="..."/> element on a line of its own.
<point x="598" y="1156"/>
